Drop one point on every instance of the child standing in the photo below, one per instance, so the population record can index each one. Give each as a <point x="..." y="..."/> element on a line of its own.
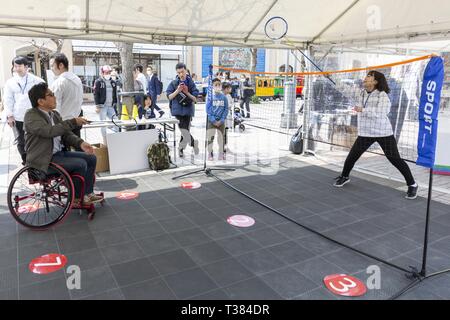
<point x="227" y="89"/>
<point x="217" y="112"/>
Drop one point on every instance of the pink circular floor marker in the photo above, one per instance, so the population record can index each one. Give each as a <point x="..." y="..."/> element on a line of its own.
<point x="241" y="221"/>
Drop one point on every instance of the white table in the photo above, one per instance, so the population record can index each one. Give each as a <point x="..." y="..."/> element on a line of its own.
<point x="168" y="123"/>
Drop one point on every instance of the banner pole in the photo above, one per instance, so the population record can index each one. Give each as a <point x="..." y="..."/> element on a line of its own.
<point x="427" y="226"/>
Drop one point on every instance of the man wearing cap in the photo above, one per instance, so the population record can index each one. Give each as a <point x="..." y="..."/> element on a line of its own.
<point x="105" y="96"/>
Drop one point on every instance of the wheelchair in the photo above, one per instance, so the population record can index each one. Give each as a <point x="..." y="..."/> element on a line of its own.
<point x="39" y="200"/>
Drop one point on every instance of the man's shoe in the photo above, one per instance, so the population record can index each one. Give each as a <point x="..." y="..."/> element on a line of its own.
<point x="196" y="149"/>
<point x="161" y="113"/>
<point x="181" y="153"/>
<point x="411" y="194"/>
<point x="210" y="156"/>
<point x="341" y="181"/>
<point x="77" y="202"/>
<point x="222" y="157"/>
<point x="94" y="198"/>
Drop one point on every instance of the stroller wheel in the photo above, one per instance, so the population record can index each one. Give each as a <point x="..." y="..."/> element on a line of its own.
<point x="241" y="128"/>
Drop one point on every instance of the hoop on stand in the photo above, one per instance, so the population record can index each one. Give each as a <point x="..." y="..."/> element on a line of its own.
<point x="276" y="28"/>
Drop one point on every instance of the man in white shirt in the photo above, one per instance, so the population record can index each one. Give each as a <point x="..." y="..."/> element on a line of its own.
<point x="16" y="99"/>
<point x="141" y="80"/>
<point x="138" y="71"/>
<point x="68" y="89"/>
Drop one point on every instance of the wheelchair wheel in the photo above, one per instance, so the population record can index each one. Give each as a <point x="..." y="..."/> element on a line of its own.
<point x="241" y="128"/>
<point x="38" y="200"/>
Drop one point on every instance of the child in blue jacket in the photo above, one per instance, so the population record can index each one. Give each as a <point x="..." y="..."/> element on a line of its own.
<point x="217" y="112"/>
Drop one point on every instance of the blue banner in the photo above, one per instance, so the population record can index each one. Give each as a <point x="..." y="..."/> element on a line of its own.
<point x="428" y="112"/>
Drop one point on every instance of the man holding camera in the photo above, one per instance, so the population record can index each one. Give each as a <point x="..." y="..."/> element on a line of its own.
<point x="182" y="94"/>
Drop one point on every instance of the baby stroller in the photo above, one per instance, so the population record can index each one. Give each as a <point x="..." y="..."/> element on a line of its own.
<point x="237" y="119"/>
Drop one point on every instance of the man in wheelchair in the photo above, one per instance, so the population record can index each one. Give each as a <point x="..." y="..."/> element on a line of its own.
<point x="48" y="137"/>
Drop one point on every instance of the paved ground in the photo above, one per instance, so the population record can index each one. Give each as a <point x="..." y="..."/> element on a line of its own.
<point x="172" y="243"/>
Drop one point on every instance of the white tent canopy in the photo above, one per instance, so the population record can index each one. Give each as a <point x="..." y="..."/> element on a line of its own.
<point x="229" y="22"/>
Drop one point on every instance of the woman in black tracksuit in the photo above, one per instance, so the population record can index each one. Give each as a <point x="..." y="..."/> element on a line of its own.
<point x="374" y="126"/>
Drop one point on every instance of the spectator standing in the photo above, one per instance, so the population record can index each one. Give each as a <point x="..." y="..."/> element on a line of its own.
<point x="16" y="100"/>
<point x="182" y="94"/>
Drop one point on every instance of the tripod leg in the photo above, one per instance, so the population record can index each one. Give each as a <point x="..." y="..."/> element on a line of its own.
<point x="187" y="174"/>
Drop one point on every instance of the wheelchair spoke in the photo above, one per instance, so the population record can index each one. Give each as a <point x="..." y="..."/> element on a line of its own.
<point x="22" y="184"/>
<point x="26" y="204"/>
<point x="56" y="213"/>
<point x="56" y="202"/>
<point x="28" y="213"/>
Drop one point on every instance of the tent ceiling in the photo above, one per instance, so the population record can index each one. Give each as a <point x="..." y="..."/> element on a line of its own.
<point x="229" y="22"/>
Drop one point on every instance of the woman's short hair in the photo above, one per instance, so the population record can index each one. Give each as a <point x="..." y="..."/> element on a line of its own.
<point x="382" y="84"/>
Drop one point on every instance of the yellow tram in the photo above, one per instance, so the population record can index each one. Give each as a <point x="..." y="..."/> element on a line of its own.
<point x="270" y="88"/>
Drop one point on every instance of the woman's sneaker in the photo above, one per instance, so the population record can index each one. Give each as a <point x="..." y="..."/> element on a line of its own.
<point x="411" y="194"/>
<point x="341" y="181"/>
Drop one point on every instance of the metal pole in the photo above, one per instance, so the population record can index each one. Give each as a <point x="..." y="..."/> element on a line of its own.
<point x="427" y="226"/>
<point x="289" y="97"/>
<point x="307" y="95"/>
<point x="285" y="80"/>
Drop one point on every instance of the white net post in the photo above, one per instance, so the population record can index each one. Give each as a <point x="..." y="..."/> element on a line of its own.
<point x="307" y="105"/>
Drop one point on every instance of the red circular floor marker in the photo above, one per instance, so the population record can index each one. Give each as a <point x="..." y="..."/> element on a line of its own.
<point x="241" y="221"/>
<point x="127" y="195"/>
<point x="28" y="208"/>
<point x="191" y="185"/>
<point x="48" y="263"/>
<point x="345" y="285"/>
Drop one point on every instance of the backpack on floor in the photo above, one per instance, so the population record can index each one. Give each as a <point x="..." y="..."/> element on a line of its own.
<point x="296" y="145"/>
<point x="158" y="156"/>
